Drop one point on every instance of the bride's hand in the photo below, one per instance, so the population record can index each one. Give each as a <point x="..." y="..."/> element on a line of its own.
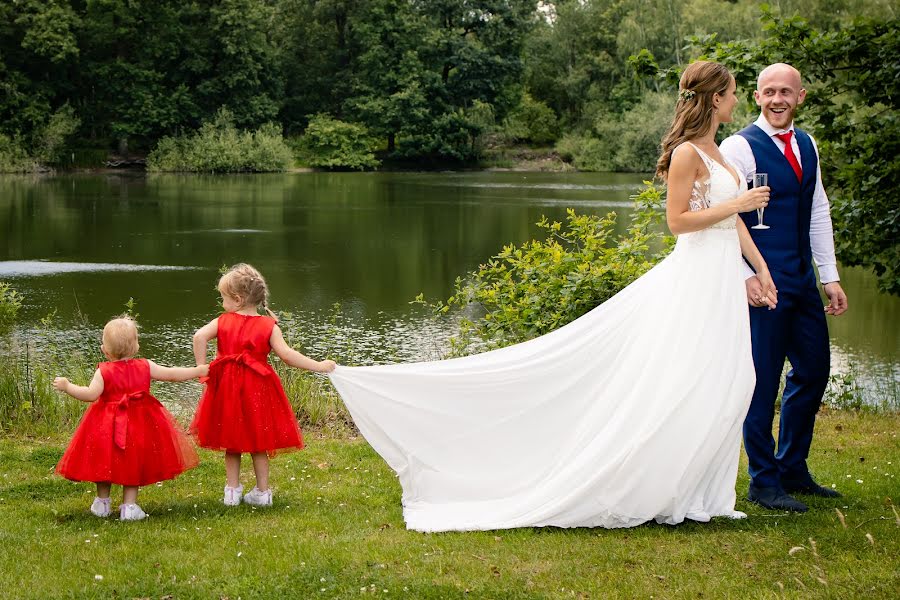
<point x="769" y="293"/>
<point x="758" y="197"/>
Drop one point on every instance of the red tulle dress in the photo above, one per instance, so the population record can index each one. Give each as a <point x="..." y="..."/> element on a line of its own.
<point x="244" y="407"/>
<point x="126" y="436"/>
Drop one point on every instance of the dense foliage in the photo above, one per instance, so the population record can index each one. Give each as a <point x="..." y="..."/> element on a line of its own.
<point x="333" y="144"/>
<point x="529" y="290"/>
<point x="416" y="74"/>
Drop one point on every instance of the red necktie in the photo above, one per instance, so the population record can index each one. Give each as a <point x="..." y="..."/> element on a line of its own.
<point x="789" y="153"/>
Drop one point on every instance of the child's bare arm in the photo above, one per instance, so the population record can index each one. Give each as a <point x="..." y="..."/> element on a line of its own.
<point x="295" y="359"/>
<point x="176" y="373"/>
<point x="87" y="393"/>
<point x="202" y="337"/>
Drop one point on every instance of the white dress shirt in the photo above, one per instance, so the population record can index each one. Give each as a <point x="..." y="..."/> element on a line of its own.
<point x="821" y="237"/>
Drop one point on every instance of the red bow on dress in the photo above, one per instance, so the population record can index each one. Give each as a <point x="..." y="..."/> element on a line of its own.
<point x="120" y="421"/>
<point x="246" y="359"/>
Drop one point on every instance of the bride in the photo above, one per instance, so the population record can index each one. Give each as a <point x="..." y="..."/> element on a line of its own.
<point x="631" y="413"/>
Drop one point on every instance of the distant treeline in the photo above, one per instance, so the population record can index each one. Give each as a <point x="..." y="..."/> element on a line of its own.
<point x="429" y="81"/>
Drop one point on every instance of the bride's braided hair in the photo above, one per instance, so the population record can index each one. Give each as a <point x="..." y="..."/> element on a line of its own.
<point x="247" y="284"/>
<point x="694" y="109"/>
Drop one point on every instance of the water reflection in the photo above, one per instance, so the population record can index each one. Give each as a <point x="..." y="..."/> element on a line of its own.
<point x="370" y="242"/>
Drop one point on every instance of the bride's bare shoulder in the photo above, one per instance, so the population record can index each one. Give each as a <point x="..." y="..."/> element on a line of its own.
<point x="685" y="159"/>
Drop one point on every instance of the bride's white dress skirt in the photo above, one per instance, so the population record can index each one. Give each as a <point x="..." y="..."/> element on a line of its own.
<point x="629" y="414"/>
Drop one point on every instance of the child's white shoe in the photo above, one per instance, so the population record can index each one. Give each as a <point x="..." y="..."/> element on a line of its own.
<point x="100" y="507"/>
<point x="233" y="495"/>
<point x="131" y="512"/>
<point x="257" y="498"/>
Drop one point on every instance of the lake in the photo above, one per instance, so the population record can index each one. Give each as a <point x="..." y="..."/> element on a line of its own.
<point x="344" y="254"/>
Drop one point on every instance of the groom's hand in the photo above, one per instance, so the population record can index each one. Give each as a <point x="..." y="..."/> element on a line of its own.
<point x="837" y="299"/>
<point x="755" y="295"/>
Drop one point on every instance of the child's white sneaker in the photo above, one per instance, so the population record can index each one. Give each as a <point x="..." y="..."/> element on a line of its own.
<point x="257" y="498"/>
<point x="100" y="507"/>
<point x="233" y="495"/>
<point x="131" y="512"/>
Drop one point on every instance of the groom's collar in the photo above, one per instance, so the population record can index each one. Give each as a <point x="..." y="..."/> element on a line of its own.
<point x="771" y="131"/>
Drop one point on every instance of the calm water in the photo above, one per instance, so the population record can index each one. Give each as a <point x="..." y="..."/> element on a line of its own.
<point x="368" y="242"/>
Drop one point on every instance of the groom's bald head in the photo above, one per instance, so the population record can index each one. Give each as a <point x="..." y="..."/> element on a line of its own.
<point x="780" y="72"/>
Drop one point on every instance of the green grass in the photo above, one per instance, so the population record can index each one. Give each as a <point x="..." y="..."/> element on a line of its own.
<point x="336" y="532"/>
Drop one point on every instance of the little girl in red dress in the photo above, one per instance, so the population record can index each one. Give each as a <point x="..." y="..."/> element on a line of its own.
<point x="244" y="407"/>
<point x="126" y="437"/>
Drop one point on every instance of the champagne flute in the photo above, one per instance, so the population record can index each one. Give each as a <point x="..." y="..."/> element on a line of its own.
<point x="759" y="180"/>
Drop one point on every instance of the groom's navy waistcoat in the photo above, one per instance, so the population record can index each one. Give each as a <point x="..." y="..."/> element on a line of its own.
<point x="786" y="245"/>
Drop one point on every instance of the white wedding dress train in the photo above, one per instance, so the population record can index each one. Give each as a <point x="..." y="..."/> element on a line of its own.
<point x="631" y="413"/>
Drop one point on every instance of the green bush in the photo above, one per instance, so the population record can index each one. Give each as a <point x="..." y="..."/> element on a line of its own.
<point x="220" y="147"/>
<point x="334" y="144"/>
<point x="13" y="157"/>
<point x="10" y="303"/>
<point x="529" y="290"/>
<point x="50" y="140"/>
<point x="585" y="152"/>
<point x="532" y="121"/>
<point x="451" y="137"/>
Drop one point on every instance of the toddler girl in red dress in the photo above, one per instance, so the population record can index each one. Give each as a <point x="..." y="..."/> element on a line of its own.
<point x="126" y="437"/>
<point x="244" y="407"/>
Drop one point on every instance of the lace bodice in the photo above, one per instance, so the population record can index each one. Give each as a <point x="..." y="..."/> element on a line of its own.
<point x="719" y="187"/>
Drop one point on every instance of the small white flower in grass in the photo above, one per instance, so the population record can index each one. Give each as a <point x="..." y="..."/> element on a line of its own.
<point x="240" y="554"/>
<point x="322" y="590"/>
<point x="87" y="541"/>
<point x="98" y="577"/>
<point x="322" y="579"/>
<point x="859" y="481"/>
<point x="293" y="478"/>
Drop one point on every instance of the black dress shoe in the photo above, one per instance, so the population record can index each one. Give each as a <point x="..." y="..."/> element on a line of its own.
<point x="774" y="498"/>
<point x="808" y="486"/>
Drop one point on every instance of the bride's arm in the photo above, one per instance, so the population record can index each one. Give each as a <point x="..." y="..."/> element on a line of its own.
<point x="755" y="258"/>
<point x="685" y="168"/>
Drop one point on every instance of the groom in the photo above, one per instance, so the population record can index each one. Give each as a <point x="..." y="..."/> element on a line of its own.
<point x="800" y="231"/>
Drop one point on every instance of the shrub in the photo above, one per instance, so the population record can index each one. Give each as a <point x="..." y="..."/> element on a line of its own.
<point x="13" y="157"/>
<point x="585" y="152"/>
<point x="529" y="290"/>
<point x="50" y="140"/>
<point x="334" y="144"/>
<point x="220" y="147"/>
<point x="532" y="121"/>
<point x="10" y="303"/>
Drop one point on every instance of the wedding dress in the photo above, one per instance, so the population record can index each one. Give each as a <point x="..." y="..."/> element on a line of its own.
<point x="631" y="413"/>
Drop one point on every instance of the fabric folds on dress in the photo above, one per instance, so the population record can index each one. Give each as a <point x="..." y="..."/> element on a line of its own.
<point x="631" y="413"/>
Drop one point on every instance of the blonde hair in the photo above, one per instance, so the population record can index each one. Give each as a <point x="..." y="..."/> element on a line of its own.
<point x="244" y="282"/>
<point x="694" y="110"/>
<point x="120" y="337"/>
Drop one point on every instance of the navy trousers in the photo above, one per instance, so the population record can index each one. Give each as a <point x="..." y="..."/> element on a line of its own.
<point x="795" y="330"/>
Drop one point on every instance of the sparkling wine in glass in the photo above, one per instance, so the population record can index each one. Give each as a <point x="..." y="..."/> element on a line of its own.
<point x="759" y="180"/>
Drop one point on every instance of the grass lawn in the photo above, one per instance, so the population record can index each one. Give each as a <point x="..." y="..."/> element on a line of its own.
<point x="336" y="532"/>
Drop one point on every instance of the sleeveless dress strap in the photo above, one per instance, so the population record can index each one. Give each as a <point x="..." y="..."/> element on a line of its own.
<point x="708" y="162"/>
